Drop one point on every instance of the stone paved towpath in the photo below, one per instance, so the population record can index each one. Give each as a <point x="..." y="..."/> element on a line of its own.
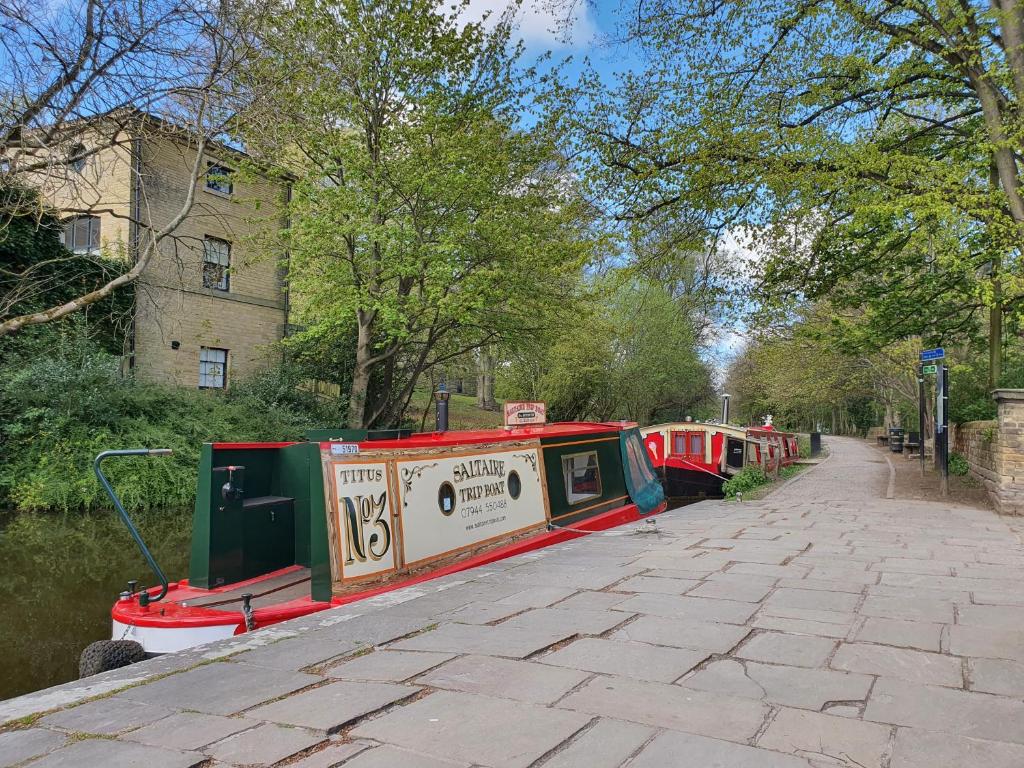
<point x="823" y="626"/>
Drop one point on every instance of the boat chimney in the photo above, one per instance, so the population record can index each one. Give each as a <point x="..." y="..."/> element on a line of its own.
<point x="725" y="409"/>
<point x="441" y="396"/>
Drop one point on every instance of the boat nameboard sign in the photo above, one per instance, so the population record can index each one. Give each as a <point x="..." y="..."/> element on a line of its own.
<point x="389" y="511"/>
<point x="366" y="537"/>
<point x="524" y="414"/>
<point x="452" y="503"/>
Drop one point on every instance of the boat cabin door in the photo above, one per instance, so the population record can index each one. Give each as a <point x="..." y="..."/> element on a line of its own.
<point x="734" y="453"/>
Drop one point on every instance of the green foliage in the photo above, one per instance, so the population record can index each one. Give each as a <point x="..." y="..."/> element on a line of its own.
<point x="791" y="471"/>
<point x="630" y="352"/>
<point x="958" y="465"/>
<point x="38" y="272"/>
<point x="61" y="408"/>
<point x="425" y="221"/>
<point x="744" y="481"/>
<point x="804" y="444"/>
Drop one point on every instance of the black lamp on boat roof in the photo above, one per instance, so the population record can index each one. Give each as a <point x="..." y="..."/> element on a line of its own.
<point x="441" y="396"/>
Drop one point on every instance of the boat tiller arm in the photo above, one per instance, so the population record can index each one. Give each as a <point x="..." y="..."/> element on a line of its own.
<point x="144" y="598"/>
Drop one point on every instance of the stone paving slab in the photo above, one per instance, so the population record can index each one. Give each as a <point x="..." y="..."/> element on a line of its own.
<point x="329" y="707"/>
<point x="816" y="736"/>
<point x="605" y="744"/>
<point x="106" y="716"/>
<point x="392" y="757"/>
<point x="104" y="753"/>
<point x="189" y="730"/>
<point x="388" y="666"/>
<point x="783" y="648"/>
<point x="996" y="676"/>
<point x="475" y="729"/>
<point x="567" y="621"/>
<point x="677" y="633"/>
<point x="221" y="688"/>
<point x="792" y="686"/>
<point x="333" y="754"/>
<point x="670" y="706"/>
<point x="902" y="663"/>
<point x="684" y="750"/>
<point x="267" y="743"/>
<point x="18" y="746"/>
<point x="504" y="678"/>
<point x="931" y="749"/>
<point x="691" y="608"/>
<point x="495" y="641"/>
<point x="934" y="708"/>
<point x="636" y="660"/>
<point x="821" y="626"/>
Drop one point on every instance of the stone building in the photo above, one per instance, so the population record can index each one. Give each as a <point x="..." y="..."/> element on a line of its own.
<point x="208" y="307"/>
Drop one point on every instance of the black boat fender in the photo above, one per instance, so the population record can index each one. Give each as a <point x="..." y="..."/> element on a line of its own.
<point x="104" y="655"/>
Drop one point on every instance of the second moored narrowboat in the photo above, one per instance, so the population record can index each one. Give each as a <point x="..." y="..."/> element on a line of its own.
<point x="693" y="459"/>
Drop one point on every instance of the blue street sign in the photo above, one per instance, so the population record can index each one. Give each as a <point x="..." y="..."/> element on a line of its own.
<point x="933" y="354"/>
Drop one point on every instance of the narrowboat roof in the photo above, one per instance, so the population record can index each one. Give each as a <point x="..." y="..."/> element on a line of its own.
<point x="693" y="426"/>
<point x="568" y="429"/>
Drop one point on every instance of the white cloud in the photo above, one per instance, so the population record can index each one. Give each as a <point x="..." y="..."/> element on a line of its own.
<point x="543" y="23"/>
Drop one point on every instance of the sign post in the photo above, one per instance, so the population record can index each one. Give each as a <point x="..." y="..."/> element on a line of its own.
<point x="920" y="416"/>
<point x="942" y="427"/>
<point x="931" y="362"/>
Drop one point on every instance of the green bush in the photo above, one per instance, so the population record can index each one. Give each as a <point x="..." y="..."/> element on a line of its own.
<point x="958" y="465"/>
<point x="61" y="408"/>
<point x="747" y="479"/>
<point x="804" y="444"/>
<point x="787" y="472"/>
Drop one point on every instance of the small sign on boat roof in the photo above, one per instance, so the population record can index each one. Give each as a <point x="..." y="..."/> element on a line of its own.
<point x="933" y="354"/>
<point x="523" y="414"/>
<point x="340" y="449"/>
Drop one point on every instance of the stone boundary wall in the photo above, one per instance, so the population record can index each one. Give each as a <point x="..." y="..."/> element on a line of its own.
<point x="995" y="451"/>
<point x="976" y="441"/>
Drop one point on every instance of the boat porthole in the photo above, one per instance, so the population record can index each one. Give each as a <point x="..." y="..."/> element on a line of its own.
<point x="446" y="498"/>
<point x="515" y="485"/>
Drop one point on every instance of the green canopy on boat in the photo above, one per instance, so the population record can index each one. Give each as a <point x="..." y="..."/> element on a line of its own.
<point x="641" y="481"/>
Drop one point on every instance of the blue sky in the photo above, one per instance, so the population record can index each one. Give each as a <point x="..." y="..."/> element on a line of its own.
<point x="592" y="28"/>
<point x="542" y="29"/>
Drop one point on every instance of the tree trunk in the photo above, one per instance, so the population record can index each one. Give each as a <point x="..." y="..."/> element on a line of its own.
<point x="485" y="380"/>
<point x="360" y="376"/>
<point x="995" y="335"/>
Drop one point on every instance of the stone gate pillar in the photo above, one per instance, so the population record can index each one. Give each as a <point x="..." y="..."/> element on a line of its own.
<point x="1008" y="452"/>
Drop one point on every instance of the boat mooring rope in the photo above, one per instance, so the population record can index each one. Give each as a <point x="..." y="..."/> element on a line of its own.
<point x="651" y="527"/>
<point x="702" y="469"/>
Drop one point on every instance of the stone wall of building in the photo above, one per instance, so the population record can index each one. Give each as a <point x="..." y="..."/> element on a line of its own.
<point x="995" y="451"/>
<point x="176" y="315"/>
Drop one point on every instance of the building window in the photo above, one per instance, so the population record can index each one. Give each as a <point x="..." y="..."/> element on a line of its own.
<point x="582" y="477"/>
<point x="216" y="263"/>
<point x="218" y="179"/>
<point x="213" y="368"/>
<point x="76" y="158"/>
<point x="82" y="235"/>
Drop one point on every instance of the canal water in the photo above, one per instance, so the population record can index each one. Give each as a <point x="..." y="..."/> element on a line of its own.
<point x="59" y="575"/>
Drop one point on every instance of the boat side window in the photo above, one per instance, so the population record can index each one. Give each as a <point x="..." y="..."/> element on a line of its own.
<point x="678" y="443"/>
<point x="696" y="444"/>
<point x="582" y="477"/>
